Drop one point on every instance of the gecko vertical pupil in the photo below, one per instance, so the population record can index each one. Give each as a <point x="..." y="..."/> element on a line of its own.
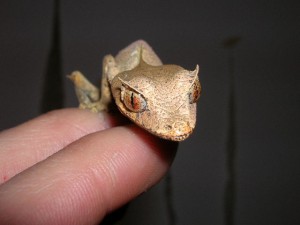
<point x="133" y="101"/>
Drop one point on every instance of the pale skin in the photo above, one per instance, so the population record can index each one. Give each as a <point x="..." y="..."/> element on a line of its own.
<point x="72" y="166"/>
<point x="159" y="98"/>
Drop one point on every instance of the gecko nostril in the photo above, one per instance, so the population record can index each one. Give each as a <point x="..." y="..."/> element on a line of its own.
<point x="168" y="127"/>
<point x="181" y="127"/>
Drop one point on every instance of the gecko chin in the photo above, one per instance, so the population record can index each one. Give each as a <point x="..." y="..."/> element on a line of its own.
<point x="175" y="137"/>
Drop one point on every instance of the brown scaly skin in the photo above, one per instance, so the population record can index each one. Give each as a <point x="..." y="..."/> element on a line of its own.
<point x="159" y="98"/>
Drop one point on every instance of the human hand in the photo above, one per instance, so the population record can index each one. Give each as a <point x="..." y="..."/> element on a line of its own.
<point x="71" y="166"/>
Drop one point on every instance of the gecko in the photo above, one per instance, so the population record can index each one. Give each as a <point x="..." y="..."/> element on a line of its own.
<point x="160" y="98"/>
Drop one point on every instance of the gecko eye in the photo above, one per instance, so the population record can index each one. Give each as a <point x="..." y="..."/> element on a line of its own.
<point x="133" y="101"/>
<point x="195" y="91"/>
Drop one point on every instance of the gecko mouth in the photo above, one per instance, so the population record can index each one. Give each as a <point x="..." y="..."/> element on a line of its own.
<point x="173" y="137"/>
<point x="180" y="138"/>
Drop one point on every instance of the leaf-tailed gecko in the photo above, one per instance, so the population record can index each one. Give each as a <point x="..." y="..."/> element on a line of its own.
<point x="159" y="98"/>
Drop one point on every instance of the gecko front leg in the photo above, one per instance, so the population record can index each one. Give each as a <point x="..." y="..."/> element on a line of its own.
<point x="88" y="94"/>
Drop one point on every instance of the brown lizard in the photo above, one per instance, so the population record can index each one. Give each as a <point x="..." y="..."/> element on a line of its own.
<point x="159" y="98"/>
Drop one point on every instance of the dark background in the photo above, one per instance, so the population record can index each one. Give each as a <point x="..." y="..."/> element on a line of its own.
<point x="266" y="67"/>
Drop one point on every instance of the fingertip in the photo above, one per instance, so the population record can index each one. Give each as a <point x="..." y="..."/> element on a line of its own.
<point x="165" y="149"/>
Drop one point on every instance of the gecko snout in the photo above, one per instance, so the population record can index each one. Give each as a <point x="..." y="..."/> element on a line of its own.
<point x="178" y="130"/>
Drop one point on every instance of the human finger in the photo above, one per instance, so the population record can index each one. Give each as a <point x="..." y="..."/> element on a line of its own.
<point x="37" y="139"/>
<point x="86" y="180"/>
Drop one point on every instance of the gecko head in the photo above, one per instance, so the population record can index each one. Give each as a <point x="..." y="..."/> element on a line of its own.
<point x="160" y="99"/>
